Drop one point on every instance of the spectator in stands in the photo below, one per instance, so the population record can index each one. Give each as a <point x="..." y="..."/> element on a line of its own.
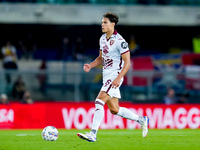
<point x="170" y="98"/>
<point x="27" y="46"/>
<point x="22" y="48"/>
<point x="196" y="44"/>
<point x="19" y="89"/>
<point x="133" y="46"/>
<point x="9" y="58"/>
<point x="79" y="49"/>
<point x="31" y="46"/>
<point x="182" y="99"/>
<point x="66" y="52"/>
<point x="26" y="98"/>
<point x="42" y="77"/>
<point x="4" y="99"/>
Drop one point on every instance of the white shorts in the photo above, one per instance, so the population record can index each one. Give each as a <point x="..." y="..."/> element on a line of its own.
<point x="107" y="85"/>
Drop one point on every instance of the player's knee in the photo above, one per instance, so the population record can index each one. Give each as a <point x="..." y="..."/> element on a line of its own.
<point x="114" y="111"/>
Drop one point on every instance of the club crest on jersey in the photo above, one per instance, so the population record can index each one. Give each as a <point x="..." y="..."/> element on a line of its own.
<point x="124" y="45"/>
<point x="112" y="42"/>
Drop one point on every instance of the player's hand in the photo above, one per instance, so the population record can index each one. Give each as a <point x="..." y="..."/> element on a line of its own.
<point x="116" y="83"/>
<point x="86" y="67"/>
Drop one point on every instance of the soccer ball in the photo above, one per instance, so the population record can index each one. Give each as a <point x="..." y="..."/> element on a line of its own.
<point x="50" y="133"/>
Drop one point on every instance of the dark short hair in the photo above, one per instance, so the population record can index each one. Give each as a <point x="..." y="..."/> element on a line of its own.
<point x="112" y="17"/>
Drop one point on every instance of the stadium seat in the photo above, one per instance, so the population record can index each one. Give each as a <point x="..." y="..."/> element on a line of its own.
<point x="190" y="59"/>
<point x="141" y="64"/>
<point x="138" y="84"/>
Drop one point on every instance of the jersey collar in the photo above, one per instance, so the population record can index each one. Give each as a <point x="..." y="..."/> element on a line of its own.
<point x="113" y="35"/>
<point x="115" y="32"/>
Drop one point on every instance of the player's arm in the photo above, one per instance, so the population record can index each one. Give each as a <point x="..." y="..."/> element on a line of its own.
<point x="127" y="64"/>
<point x="96" y="62"/>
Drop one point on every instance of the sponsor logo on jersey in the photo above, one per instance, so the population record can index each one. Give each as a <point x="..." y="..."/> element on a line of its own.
<point x="112" y="42"/>
<point x="107" y="63"/>
<point x="124" y="45"/>
<point x="105" y="49"/>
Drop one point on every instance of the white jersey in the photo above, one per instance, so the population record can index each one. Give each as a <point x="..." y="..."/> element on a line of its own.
<point x="112" y="49"/>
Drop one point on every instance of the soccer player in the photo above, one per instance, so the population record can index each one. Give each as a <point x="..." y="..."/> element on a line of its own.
<point x="115" y="56"/>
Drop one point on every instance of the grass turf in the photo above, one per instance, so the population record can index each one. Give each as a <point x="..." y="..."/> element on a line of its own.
<point x="186" y="139"/>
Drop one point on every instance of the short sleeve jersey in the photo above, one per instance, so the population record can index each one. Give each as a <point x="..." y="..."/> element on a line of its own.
<point x="112" y="49"/>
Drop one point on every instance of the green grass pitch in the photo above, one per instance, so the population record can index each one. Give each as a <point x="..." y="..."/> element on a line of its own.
<point x="186" y="139"/>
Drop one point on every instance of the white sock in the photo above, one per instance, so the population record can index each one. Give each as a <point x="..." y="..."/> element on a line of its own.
<point x="98" y="115"/>
<point x="126" y="113"/>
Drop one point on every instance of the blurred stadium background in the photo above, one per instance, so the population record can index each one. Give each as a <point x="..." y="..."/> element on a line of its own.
<point x="163" y="36"/>
<point x="162" y="31"/>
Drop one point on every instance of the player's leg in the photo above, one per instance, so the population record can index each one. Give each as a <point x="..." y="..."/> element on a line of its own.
<point x="102" y="98"/>
<point x="98" y="117"/>
<point x="144" y="126"/>
<point x="113" y="105"/>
